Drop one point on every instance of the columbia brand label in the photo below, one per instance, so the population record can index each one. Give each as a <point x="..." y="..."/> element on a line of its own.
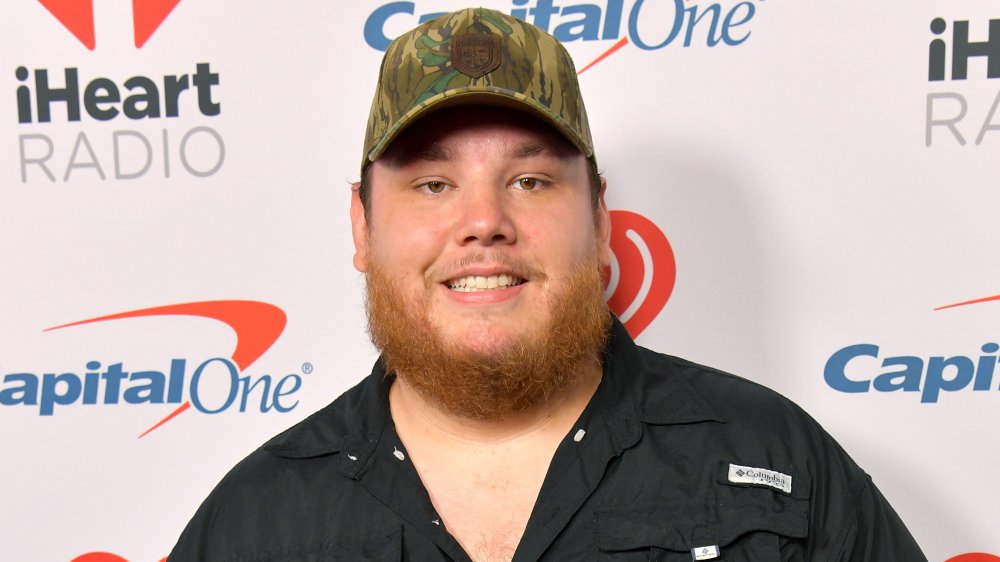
<point x="749" y="475"/>
<point x="705" y="553"/>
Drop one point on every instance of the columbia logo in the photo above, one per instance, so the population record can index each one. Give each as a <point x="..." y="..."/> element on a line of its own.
<point x="751" y="476"/>
<point x="705" y="552"/>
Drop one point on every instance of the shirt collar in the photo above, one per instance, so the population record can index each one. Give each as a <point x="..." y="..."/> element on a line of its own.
<point x="352" y="423"/>
<point x="642" y="386"/>
<point x="637" y="386"/>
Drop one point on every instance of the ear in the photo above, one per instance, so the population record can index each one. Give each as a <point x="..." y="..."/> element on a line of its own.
<point x="359" y="229"/>
<point x="603" y="219"/>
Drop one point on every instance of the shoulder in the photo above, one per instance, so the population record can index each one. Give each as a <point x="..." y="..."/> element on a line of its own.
<point x="303" y="459"/>
<point x="291" y="495"/>
<point x="751" y="424"/>
<point x="731" y="398"/>
<point x="269" y="503"/>
<point x="745" y="426"/>
<point x="356" y="417"/>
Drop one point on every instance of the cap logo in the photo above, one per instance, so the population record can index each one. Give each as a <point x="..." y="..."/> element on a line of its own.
<point x="476" y="52"/>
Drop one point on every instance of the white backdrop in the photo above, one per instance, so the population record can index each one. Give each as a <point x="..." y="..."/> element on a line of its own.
<point x="807" y="207"/>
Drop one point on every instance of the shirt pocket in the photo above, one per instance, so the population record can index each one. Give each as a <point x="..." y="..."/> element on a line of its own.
<point x="384" y="546"/>
<point x="744" y="524"/>
<point x="378" y="547"/>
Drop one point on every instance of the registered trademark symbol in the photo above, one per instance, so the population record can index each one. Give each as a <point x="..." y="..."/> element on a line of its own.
<point x="307" y="367"/>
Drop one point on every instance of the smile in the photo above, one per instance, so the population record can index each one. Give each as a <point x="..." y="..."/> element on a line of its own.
<point x="474" y="283"/>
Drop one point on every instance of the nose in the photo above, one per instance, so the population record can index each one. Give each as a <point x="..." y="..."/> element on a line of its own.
<point x="485" y="217"/>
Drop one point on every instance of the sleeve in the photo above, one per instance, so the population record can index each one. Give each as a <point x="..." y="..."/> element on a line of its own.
<point x="194" y="543"/>
<point x="234" y="519"/>
<point x="849" y="518"/>
<point x="876" y="533"/>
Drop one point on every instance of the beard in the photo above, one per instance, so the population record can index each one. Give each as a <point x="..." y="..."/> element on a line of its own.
<point x="490" y="385"/>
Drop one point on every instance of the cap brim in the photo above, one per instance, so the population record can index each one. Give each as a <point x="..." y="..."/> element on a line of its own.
<point x="478" y="95"/>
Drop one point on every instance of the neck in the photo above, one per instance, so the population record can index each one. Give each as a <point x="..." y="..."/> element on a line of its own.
<point x="414" y="414"/>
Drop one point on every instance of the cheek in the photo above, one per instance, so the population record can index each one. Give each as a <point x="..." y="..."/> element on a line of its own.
<point x="564" y="240"/>
<point x="404" y="239"/>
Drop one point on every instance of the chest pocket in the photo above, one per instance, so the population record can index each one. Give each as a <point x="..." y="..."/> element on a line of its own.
<point x="745" y="524"/>
<point x="376" y="547"/>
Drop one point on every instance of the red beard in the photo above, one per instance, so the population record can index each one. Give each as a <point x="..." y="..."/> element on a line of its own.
<point x="493" y="385"/>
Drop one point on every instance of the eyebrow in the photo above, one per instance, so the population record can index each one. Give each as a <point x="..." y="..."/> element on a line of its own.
<point x="438" y="153"/>
<point x="528" y="149"/>
<point x="431" y="153"/>
<point x="531" y="149"/>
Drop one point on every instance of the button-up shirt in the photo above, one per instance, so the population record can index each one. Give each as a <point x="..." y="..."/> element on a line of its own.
<point x="669" y="461"/>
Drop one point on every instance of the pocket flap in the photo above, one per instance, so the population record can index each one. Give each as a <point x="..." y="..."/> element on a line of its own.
<point x="377" y="547"/>
<point x="683" y="525"/>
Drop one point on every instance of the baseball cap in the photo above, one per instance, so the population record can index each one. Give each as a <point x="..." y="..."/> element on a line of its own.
<point x="476" y="56"/>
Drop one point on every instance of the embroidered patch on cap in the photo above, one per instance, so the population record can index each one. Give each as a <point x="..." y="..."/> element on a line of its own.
<point x="476" y="52"/>
<point x="705" y="552"/>
<point x="750" y="476"/>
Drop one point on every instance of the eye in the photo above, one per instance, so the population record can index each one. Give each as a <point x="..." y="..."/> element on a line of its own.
<point x="527" y="183"/>
<point x="434" y="187"/>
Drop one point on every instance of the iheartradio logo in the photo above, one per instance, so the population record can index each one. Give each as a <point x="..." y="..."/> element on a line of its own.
<point x="642" y="273"/>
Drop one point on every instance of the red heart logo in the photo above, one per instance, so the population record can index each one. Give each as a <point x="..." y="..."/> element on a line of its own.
<point x="646" y="271"/>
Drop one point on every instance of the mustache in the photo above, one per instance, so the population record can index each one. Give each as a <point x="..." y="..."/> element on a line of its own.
<point x="519" y="267"/>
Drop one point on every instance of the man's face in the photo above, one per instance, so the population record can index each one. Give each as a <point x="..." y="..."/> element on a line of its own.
<point x="480" y="226"/>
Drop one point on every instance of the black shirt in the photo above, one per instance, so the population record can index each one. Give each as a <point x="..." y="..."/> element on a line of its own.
<point x="675" y="462"/>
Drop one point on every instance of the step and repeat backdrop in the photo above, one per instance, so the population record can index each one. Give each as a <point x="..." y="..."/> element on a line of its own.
<point x="803" y="193"/>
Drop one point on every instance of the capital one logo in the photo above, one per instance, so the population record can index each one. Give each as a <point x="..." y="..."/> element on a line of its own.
<point x="649" y="26"/>
<point x="210" y="386"/>
<point x="77" y="16"/>
<point x="643" y="274"/>
<point x="856" y="368"/>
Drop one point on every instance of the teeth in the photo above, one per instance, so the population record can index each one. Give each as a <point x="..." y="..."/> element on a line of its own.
<point x="472" y="283"/>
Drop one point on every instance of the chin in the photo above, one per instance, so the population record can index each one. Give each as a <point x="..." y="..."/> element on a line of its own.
<point x="482" y="341"/>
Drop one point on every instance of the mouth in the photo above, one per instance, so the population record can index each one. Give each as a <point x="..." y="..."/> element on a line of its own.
<point x="476" y="283"/>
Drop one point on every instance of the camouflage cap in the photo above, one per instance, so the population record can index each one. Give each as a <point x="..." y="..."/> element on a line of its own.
<point x="476" y="55"/>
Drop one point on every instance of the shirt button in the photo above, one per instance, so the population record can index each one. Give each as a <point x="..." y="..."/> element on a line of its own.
<point x="579" y="435"/>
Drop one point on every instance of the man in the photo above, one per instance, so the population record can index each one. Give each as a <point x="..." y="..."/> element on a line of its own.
<point x="511" y="417"/>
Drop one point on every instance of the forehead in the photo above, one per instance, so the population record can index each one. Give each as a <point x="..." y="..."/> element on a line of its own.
<point x="438" y="135"/>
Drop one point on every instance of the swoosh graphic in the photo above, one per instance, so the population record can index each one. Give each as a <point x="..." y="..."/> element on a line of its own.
<point x="257" y="325"/>
<point x="621" y="43"/>
<point x="973" y="301"/>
